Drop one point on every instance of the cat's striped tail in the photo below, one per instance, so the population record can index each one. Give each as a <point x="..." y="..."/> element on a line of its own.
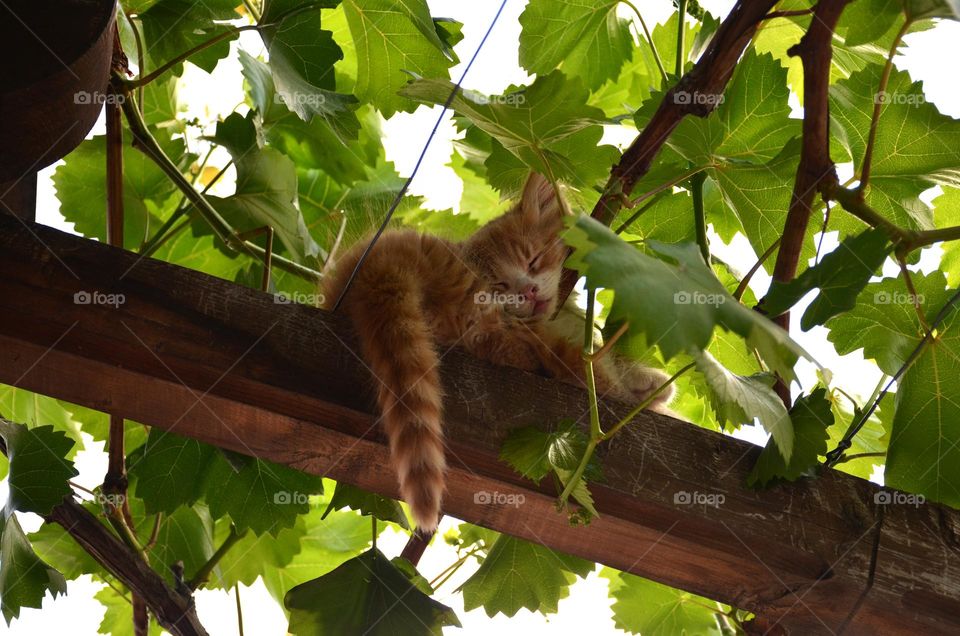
<point x="397" y="345"/>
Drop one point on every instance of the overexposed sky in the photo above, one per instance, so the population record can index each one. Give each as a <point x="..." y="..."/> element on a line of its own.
<point x="927" y="58"/>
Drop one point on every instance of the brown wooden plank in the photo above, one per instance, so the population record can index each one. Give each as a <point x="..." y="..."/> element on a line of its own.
<point x="230" y="366"/>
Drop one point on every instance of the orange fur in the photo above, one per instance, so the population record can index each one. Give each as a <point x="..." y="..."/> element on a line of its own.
<point x="491" y="295"/>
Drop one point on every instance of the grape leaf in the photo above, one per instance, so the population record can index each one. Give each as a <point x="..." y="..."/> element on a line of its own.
<point x="700" y="302"/>
<point x="840" y="276"/>
<point x="266" y="189"/>
<point x="171" y="27"/>
<point x="547" y="126"/>
<point x="924" y="457"/>
<point x="53" y="545"/>
<point x="517" y="574"/>
<point x="262" y="496"/>
<point x="324" y="544"/>
<point x="81" y="189"/>
<point x="810" y="416"/>
<point x="185" y="535"/>
<point x="645" y="607"/>
<point x="302" y="56"/>
<point x="366" y="595"/>
<point x="916" y="146"/>
<point x="118" y="615"/>
<point x="926" y="9"/>
<point x="33" y="409"/>
<point x="884" y="322"/>
<point x="413" y="46"/>
<point x="169" y="471"/>
<point x="254" y="556"/>
<point x="366" y="503"/>
<point x="39" y="469"/>
<point x="587" y="38"/>
<point x="739" y="399"/>
<point x="752" y="122"/>
<point x="24" y="578"/>
<point x="867" y="20"/>
<point x="947" y="214"/>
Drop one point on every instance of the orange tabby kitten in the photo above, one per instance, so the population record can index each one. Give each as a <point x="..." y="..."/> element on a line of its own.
<point x="491" y="295"/>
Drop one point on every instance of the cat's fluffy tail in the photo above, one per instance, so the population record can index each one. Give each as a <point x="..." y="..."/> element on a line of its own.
<point x="398" y="346"/>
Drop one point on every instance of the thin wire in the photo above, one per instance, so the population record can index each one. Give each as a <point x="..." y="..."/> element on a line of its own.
<point x="406" y="184"/>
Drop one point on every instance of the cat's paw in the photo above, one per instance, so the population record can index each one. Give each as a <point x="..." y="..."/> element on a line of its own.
<point x="641" y="382"/>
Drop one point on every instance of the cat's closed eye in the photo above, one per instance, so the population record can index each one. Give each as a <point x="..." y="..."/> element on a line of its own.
<point x="535" y="262"/>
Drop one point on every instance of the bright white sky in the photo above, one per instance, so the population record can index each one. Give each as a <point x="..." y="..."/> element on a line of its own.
<point x="928" y="58"/>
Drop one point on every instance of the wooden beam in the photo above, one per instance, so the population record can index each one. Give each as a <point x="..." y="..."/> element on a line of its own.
<point x="231" y="366"/>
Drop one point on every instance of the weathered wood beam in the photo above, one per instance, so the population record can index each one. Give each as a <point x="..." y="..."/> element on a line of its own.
<point x="230" y="366"/>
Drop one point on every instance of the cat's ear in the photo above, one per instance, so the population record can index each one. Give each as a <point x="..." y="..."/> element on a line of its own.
<point x="539" y="201"/>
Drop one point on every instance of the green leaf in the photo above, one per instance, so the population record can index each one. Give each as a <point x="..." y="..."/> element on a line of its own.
<point x="413" y="46"/>
<point x="924" y="457"/>
<point x="947" y="214"/>
<point x="916" y="146"/>
<point x="118" y="617"/>
<point x="39" y="469"/>
<point x="302" y="56"/>
<point x="754" y="199"/>
<point x="80" y="184"/>
<point x="170" y="471"/>
<point x="588" y="39"/>
<point x="171" y="27"/>
<point x="185" y="535"/>
<point x="645" y="607"/>
<point x="546" y="127"/>
<point x="811" y="416"/>
<point x="752" y="122"/>
<point x="366" y="595"/>
<point x="254" y="556"/>
<point x="54" y="545"/>
<point x="519" y="574"/>
<point x="867" y="20"/>
<point x="738" y="399"/>
<point x="533" y="452"/>
<point x="266" y="190"/>
<point x="366" y="503"/>
<point x="325" y="544"/>
<point x="884" y="322"/>
<point x="840" y="276"/>
<point x="685" y="283"/>
<point x="24" y="578"/>
<point x="33" y="409"/>
<point x="926" y="9"/>
<point x="262" y="496"/>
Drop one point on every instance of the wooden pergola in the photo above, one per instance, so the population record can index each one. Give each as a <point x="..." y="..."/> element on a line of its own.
<point x="228" y="365"/>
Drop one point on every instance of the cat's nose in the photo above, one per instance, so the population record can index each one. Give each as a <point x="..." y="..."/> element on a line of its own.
<point x="529" y="292"/>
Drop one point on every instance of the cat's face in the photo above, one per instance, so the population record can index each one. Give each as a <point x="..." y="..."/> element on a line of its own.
<point x="520" y="255"/>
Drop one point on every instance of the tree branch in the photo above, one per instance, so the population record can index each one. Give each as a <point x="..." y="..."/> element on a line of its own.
<point x="816" y="52"/>
<point x="174" y="611"/>
<point x="709" y="76"/>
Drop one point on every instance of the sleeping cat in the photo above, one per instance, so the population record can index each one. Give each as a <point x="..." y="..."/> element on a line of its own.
<point x="492" y="295"/>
